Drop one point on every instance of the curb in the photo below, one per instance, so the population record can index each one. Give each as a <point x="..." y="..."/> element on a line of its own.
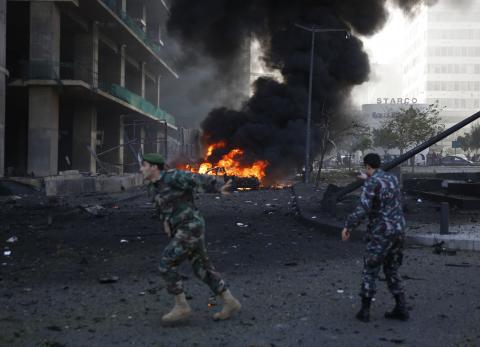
<point x="459" y="242"/>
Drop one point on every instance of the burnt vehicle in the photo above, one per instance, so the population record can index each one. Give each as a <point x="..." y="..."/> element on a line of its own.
<point x="240" y="183"/>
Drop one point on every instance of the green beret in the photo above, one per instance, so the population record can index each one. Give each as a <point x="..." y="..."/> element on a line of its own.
<point x="153" y="158"/>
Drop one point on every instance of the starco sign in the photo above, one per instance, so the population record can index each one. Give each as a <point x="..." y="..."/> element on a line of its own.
<point x="395" y="101"/>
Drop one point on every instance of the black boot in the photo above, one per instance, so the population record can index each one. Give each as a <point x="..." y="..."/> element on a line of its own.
<point x="400" y="311"/>
<point x="364" y="313"/>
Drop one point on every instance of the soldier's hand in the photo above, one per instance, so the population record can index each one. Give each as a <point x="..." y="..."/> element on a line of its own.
<point x="166" y="228"/>
<point x="345" y="234"/>
<point x="226" y="188"/>
<point x="158" y="201"/>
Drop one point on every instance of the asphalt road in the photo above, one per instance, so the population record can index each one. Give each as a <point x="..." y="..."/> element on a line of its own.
<point x="298" y="287"/>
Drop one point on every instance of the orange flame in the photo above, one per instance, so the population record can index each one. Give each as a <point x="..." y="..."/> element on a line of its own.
<point x="229" y="164"/>
<point x="213" y="147"/>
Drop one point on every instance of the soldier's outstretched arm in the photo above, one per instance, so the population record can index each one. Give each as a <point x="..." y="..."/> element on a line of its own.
<point x="209" y="184"/>
<point x="363" y="207"/>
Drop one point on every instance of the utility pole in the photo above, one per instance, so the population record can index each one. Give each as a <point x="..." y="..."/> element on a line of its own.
<point x="313" y="30"/>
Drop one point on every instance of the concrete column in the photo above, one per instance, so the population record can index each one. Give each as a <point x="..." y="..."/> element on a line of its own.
<point x="122" y="65"/>
<point x="86" y="56"/>
<point x="43" y="102"/>
<point x="3" y="73"/>
<point x="84" y="135"/>
<point x="42" y="131"/>
<point x="45" y="34"/>
<point x="158" y="91"/>
<point x="143" y="79"/>
<point x="113" y="138"/>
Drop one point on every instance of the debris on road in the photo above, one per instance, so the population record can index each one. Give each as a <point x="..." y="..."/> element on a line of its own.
<point x="54" y="328"/>
<point x="13" y="239"/>
<point x="94" y="210"/>
<point x="291" y="264"/>
<point x="459" y="265"/>
<point x="108" y="279"/>
<point x="438" y="248"/>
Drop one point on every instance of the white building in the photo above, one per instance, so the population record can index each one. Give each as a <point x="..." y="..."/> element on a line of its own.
<point x="375" y="114"/>
<point x="442" y="58"/>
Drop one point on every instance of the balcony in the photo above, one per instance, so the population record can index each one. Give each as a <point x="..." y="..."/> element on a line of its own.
<point x="122" y="28"/>
<point x="69" y="78"/>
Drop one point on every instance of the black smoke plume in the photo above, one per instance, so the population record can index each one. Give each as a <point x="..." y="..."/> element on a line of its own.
<point x="271" y="124"/>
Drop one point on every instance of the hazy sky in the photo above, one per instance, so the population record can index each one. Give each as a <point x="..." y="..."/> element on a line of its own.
<point x="384" y="48"/>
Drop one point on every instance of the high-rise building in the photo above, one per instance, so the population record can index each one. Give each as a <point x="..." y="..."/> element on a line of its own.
<point x="83" y="85"/>
<point x="442" y="58"/>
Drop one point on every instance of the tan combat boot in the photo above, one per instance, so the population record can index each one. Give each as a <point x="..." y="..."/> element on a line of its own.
<point x="230" y="306"/>
<point x="180" y="311"/>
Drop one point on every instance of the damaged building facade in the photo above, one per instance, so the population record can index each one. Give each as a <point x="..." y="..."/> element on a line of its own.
<point x="81" y="87"/>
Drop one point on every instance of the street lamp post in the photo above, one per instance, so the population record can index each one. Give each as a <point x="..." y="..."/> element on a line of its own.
<point x="313" y="30"/>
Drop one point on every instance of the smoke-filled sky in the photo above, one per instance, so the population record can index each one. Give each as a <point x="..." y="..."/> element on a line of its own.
<point x="271" y="124"/>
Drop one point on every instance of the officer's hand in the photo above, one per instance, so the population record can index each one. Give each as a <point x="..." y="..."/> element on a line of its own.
<point x="226" y="188"/>
<point x="345" y="234"/>
<point x="362" y="176"/>
<point x="166" y="228"/>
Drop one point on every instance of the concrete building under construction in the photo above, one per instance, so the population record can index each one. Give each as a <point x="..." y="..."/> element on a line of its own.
<point x="81" y="86"/>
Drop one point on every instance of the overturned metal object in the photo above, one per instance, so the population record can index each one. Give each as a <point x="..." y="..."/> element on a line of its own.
<point x="464" y="195"/>
<point x="334" y="194"/>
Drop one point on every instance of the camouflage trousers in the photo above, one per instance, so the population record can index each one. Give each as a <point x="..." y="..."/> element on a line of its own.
<point x="188" y="243"/>
<point x="387" y="251"/>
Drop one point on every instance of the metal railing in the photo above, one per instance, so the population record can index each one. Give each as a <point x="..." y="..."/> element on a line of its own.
<point x="138" y="102"/>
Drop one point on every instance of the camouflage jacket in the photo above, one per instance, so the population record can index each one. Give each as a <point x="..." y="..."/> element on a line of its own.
<point x="173" y="195"/>
<point x="381" y="201"/>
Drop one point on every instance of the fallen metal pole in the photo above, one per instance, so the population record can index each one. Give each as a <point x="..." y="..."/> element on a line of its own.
<point x="134" y="153"/>
<point x="99" y="162"/>
<point x="114" y="148"/>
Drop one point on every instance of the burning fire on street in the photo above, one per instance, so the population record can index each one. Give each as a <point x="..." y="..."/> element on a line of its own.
<point x="230" y="164"/>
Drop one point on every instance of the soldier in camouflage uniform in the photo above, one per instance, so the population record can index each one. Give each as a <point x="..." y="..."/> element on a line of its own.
<point x="381" y="202"/>
<point x="174" y="201"/>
